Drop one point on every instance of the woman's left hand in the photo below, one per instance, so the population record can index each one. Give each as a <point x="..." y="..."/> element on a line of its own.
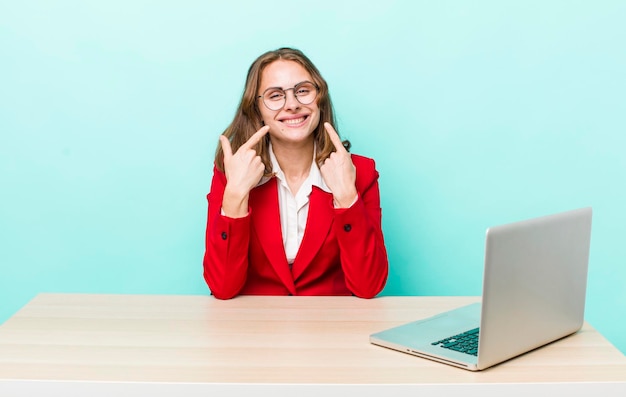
<point x="339" y="172"/>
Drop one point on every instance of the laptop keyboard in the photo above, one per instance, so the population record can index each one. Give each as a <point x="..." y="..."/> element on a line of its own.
<point x="465" y="342"/>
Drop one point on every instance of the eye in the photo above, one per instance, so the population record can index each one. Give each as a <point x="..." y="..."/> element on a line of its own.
<point x="275" y="95"/>
<point x="305" y="89"/>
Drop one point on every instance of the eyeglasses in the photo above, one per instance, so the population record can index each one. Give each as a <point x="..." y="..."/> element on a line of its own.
<point x="274" y="97"/>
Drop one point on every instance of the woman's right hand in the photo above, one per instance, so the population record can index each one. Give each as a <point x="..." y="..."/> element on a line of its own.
<point x="244" y="169"/>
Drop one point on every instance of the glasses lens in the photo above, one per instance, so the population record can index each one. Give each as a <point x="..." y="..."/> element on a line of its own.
<point x="305" y="92"/>
<point x="274" y="98"/>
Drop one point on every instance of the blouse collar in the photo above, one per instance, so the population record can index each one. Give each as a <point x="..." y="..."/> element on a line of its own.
<point x="314" y="173"/>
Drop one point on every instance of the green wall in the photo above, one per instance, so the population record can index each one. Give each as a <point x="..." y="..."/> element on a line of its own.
<point x="477" y="113"/>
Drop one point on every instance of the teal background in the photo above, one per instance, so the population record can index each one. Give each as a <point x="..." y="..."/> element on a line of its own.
<point x="477" y="113"/>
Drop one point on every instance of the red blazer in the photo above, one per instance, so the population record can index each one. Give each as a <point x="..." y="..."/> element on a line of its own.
<point x="342" y="251"/>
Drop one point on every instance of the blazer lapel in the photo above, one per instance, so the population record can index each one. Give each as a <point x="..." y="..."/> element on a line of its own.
<point x="266" y="223"/>
<point x="318" y="224"/>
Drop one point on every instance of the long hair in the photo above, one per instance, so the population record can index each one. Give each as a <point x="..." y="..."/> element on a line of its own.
<point x="248" y="120"/>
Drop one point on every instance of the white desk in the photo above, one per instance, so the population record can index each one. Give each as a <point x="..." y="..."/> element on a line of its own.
<point x="83" y="344"/>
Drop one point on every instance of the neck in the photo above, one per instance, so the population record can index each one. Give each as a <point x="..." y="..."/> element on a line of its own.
<point x="295" y="160"/>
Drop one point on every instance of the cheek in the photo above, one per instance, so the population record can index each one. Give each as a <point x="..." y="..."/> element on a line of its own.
<point x="315" y="120"/>
<point x="267" y="116"/>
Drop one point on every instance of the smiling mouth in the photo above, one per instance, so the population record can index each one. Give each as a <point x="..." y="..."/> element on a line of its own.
<point x="297" y="121"/>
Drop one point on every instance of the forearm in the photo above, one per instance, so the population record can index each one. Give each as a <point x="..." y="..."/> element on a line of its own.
<point x="226" y="256"/>
<point x="362" y="250"/>
<point x="226" y="245"/>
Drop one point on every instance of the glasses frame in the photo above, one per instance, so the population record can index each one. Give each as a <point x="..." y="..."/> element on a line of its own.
<point x="284" y="90"/>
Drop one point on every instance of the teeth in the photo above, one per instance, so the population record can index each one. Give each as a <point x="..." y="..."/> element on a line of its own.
<point x="294" y="121"/>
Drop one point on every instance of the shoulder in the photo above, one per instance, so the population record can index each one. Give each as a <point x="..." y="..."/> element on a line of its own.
<point x="363" y="164"/>
<point x="218" y="182"/>
<point x="366" y="172"/>
<point x="218" y="174"/>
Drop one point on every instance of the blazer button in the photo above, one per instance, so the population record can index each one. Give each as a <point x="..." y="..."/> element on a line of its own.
<point x="224" y="235"/>
<point x="347" y="227"/>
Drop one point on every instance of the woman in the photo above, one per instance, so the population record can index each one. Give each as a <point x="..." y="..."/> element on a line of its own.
<point x="291" y="212"/>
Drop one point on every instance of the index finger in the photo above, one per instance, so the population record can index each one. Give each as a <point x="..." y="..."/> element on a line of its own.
<point x="226" y="149"/>
<point x="334" y="137"/>
<point x="256" y="137"/>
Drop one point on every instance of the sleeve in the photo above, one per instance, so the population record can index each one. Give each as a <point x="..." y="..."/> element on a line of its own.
<point x="226" y="245"/>
<point x="360" y="237"/>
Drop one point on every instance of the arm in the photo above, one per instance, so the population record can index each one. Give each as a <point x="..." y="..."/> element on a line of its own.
<point x="228" y="221"/>
<point x="359" y="235"/>
<point x="358" y="226"/>
<point x="226" y="245"/>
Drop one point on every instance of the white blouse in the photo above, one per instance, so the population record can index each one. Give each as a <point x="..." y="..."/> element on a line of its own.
<point x="294" y="209"/>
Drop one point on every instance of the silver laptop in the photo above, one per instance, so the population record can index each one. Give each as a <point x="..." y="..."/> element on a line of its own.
<point x="534" y="288"/>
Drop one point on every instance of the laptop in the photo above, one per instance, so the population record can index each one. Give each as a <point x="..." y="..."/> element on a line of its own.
<point x="534" y="288"/>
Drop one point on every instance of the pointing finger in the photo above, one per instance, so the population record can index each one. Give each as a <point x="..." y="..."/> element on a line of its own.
<point x="226" y="148"/>
<point x="334" y="137"/>
<point x="256" y="137"/>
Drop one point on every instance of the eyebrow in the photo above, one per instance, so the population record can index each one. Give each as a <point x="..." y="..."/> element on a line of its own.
<point x="297" y="84"/>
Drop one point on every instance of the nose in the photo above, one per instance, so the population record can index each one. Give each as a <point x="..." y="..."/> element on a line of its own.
<point x="291" y="102"/>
